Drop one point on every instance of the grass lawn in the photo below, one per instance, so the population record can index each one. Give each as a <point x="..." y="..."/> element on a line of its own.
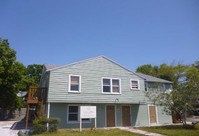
<point x="98" y="132"/>
<point x="173" y="130"/>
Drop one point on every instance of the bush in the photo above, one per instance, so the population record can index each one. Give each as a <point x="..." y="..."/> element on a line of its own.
<point x="39" y="125"/>
<point x="188" y="126"/>
<point x="53" y="124"/>
<point x="20" y="133"/>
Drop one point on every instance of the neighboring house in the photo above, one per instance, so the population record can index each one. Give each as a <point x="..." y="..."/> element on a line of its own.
<point x="117" y="93"/>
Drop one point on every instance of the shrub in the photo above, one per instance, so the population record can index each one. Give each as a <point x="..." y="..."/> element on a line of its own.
<point x="39" y="125"/>
<point x="53" y="124"/>
<point x="188" y="126"/>
<point x="20" y="133"/>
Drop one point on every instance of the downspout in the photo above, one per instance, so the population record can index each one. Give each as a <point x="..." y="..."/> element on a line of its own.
<point x="48" y="114"/>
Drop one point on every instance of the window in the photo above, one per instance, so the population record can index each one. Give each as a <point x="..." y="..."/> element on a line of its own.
<point x="111" y="85"/>
<point x="107" y="85"/>
<point x="74" y="113"/>
<point x="74" y="83"/>
<point x="115" y="85"/>
<point x="135" y="84"/>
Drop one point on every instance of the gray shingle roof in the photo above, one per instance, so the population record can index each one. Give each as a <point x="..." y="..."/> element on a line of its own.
<point x="152" y="78"/>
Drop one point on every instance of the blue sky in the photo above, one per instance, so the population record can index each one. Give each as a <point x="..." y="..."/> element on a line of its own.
<point x="130" y="32"/>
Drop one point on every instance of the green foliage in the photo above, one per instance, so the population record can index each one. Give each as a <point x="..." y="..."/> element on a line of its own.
<point x="168" y="72"/>
<point x="20" y="133"/>
<point x="11" y="73"/>
<point x="33" y="72"/>
<point x="39" y="124"/>
<point x="184" y="97"/>
<point x="148" y="69"/>
<point x="15" y="77"/>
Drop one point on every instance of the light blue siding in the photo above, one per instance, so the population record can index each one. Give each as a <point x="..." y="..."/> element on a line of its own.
<point x="91" y="72"/>
<point x="141" y="115"/>
<point x="100" y="115"/>
<point x="59" y="110"/>
<point x="163" y="118"/>
<point x="118" y="115"/>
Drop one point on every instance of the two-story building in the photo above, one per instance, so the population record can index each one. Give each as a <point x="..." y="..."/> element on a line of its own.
<point x="117" y="93"/>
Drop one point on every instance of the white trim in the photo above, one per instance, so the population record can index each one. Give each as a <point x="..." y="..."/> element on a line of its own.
<point x="153" y="124"/>
<point x="48" y="114"/>
<point x="48" y="111"/>
<point x="115" y="115"/>
<point x="111" y="85"/>
<point x="78" y="119"/>
<point x="69" y="84"/>
<point x="131" y="84"/>
<point x="106" y="114"/>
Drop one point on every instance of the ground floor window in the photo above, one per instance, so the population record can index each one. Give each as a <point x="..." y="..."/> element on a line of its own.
<point x="74" y="114"/>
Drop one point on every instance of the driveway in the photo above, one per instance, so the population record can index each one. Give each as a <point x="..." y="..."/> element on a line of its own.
<point x="5" y="128"/>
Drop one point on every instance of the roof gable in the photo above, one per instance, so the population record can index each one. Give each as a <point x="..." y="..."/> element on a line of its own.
<point x="55" y="67"/>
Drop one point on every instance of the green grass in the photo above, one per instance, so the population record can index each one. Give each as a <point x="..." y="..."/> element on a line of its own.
<point x="98" y="132"/>
<point x="173" y="130"/>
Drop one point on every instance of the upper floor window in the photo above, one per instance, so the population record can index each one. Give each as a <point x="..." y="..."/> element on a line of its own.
<point x="74" y="83"/>
<point x="111" y="85"/>
<point x="135" y="84"/>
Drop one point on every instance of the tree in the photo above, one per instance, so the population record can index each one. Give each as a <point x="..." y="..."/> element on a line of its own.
<point x="11" y="73"/>
<point x="148" y="69"/>
<point x="34" y="72"/>
<point x="173" y="73"/>
<point x="196" y="64"/>
<point x="184" y="97"/>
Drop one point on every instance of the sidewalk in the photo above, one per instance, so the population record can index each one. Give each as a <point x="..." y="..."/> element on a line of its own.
<point x="5" y="128"/>
<point x="130" y="129"/>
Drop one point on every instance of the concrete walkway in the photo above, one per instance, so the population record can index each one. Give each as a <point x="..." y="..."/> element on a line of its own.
<point x="130" y="129"/>
<point x="5" y="128"/>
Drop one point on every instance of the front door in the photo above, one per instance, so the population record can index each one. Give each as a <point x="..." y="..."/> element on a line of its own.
<point x="126" y="120"/>
<point x="152" y="115"/>
<point x="110" y="116"/>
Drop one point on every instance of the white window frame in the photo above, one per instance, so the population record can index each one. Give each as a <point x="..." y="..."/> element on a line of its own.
<point x="78" y="118"/>
<point x="69" y="84"/>
<point x="137" y="89"/>
<point x="111" y="85"/>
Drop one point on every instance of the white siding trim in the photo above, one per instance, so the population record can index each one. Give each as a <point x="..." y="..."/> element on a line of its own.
<point x="48" y="114"/>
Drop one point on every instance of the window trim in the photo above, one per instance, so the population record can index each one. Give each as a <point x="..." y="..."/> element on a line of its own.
<point x="78" y="118"/>
<point x="137" y="82"/>
<point x="111" y="85"/>
<point x="69" y="84"/>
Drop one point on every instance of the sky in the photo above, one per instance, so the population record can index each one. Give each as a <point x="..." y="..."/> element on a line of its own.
<point x="130" y="32"/>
